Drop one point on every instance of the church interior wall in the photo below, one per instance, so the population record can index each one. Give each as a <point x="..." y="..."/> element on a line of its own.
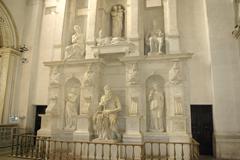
<point x="194" y="39"/>
<point x="225" y="75"/>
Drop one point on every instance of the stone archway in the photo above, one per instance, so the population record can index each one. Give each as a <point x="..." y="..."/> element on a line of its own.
<point x="8" y="34"/>
<point x="9" y="57"/>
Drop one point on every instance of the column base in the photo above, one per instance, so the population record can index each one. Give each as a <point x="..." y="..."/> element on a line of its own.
<point x="49" y="125"/>
<point x="132" y="134"/>
<point x="227" y="146"/>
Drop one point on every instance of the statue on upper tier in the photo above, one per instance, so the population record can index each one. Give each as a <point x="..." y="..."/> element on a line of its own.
<point x="105" y="119"/>
<point x="155" y="42"/>
<point x="160" y="39"/>
<point x="156" y="104"/>
<point x="154" y="39"/>
<point x="71" y="106"/>
<point x="101" y="40"/>
<point x="117" y="15"/>
<point x="77" y="49"/>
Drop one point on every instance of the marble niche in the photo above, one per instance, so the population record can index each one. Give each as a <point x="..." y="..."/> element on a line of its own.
<point x="107" y="88"/>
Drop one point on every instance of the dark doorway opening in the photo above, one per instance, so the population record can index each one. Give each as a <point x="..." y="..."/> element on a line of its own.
<point x="40" y="109"/>
<point x="202" y="127"/>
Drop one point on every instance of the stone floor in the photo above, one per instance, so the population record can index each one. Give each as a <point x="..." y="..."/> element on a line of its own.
<point x="207" y="158"/>
<point x="4" y="154"/>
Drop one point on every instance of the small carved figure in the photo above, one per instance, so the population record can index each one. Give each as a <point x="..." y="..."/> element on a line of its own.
<point x="100" y="40"/>
<point x="156" y="102"/>
<point x="71" y="108"/>
<point x="55" y="76"/>
<point x="133" y="110"/>
<point x="133" y="74"/>
<point x="105" y="119"/>
<point x="87" y="103"/>
<point x="52" y="103"/>
<point x="175" y="75"/>
<point x="160" y="39"/>
<point x="178" y="103"/>
<point x="77" y="49"/>
<point x="88" y="77"/>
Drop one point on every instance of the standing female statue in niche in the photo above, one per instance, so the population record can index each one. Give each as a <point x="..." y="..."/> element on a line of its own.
<point x="156" y="102"/>
<point x="117" y="15"/>
<point x="71" y="108"/>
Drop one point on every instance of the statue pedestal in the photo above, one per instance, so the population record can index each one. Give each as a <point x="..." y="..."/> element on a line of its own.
<point x="132" y="134"/>
<point x="67" y="135"/>
<point x="121" y="48"/>
<point x="177" y="124"/>
<point x="82" y="132"/>
<point x="49" y="125"/>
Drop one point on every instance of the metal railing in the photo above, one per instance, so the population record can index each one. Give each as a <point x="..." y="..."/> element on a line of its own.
<point x="6" y="134"/>
<point x="45" y="148"/>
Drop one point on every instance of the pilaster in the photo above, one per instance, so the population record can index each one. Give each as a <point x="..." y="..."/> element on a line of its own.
<point x="133" y="26"/>
<point x="171" y="26"/>
<point x="133" y="104"/>
<point x="91" y="28"/>
<point x="8" y="68"/>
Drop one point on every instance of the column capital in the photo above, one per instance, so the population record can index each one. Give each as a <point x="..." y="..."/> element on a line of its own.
<point x="8" y="51"/>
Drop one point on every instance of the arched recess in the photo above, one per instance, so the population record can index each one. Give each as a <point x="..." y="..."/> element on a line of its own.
<point x="155" y="88"/>
<point x="72" y="102"/>
<point x="8" y="32"/>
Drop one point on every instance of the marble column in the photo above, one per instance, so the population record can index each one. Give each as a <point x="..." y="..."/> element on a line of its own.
<point x="8" y="67"/>
<point x="133" y="25"/>
<point x="171" y="26"/>
<point x="91" y="28"/>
